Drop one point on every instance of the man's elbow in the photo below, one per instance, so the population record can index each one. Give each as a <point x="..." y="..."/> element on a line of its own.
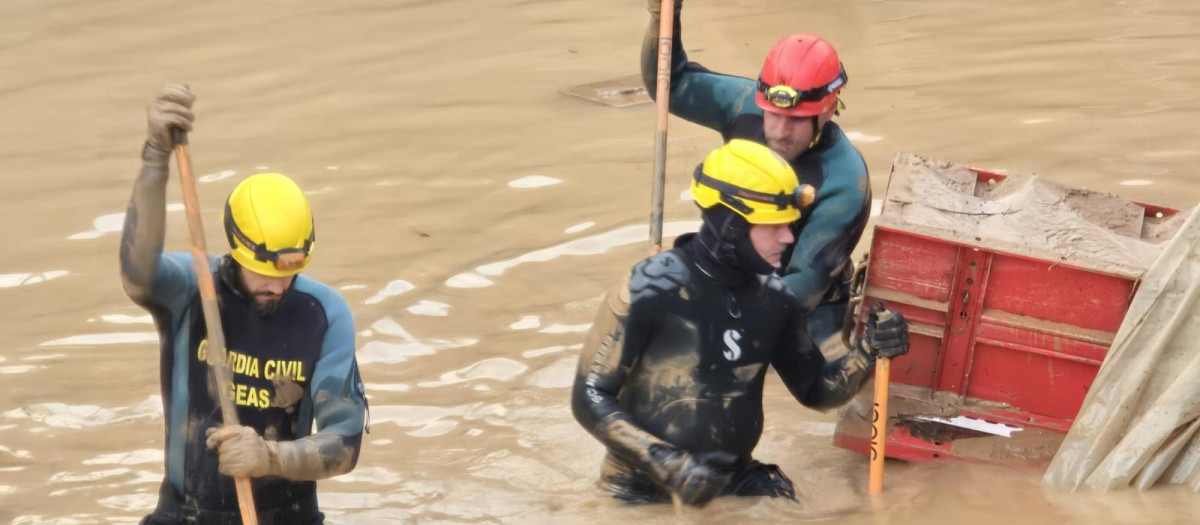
<point x="579" y="405"/>
<point x="317" y="457"/>
<point x="588" y="405"/>
<point x="352" y="452"/>
<point x="137" y="273"/>
<point x="137" y="290"/>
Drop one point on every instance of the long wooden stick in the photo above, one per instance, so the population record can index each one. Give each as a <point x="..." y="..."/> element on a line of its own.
<point x="215" y="347"/>
<point x="666" y="28"/>
<point x="879" y="424"/>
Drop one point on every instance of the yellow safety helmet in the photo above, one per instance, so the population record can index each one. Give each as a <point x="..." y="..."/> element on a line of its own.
<point x="751" y="180"/>
<point x="269" y="225"/>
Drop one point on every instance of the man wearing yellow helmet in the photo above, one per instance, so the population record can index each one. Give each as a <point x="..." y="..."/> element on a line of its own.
<point x="790" y="108"/>
<point x="671" y="375"/>
<point x="290" y="343"/>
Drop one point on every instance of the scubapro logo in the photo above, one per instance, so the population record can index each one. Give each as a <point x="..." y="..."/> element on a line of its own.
<point x="732" y="350"/>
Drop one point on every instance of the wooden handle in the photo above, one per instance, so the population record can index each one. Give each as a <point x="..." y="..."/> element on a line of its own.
<point x="662" y="98"/>
<point x="879" y="424"/>
<point x="215" y="347"/>
<point x="245" y="496"/>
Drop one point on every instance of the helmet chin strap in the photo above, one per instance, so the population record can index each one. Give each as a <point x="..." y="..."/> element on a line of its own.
<point x="816" y="131"/>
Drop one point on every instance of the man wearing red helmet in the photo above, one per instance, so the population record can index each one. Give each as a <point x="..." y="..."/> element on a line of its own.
<point x="789" y="108"/>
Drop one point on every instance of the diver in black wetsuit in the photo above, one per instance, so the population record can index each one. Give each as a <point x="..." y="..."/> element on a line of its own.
<point x="670" y="378"/>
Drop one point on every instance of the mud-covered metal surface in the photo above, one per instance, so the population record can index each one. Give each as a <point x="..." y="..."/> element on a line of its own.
<point x="1024" y="214"/>
<point x="473" y="217"/>
<point x="935" y="418"/>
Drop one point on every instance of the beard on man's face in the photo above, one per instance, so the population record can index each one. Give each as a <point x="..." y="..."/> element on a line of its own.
<point x="265" y="302"/>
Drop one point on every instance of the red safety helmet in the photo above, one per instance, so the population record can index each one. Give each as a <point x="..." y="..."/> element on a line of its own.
<point x="801" y="77"/>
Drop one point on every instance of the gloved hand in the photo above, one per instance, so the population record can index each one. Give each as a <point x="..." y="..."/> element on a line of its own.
<point x="695" y="478"/>
<point x="243" y="453"/>
<point x="172" y="108"/>
<point x="886" y="334"/>
<point x="655" y="6"/>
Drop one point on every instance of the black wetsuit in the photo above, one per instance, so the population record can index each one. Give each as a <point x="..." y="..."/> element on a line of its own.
<point x="677" y="358"/>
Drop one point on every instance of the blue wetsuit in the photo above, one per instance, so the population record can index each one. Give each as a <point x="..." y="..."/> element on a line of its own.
<point x="308" y="339"/>
<point x="817" y="269"/>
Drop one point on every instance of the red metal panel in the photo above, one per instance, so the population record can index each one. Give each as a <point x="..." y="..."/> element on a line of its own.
<point x="970" y="284"/>
<point x="900" y="445"/>
<point x="1041" y="290"/>
<point x="917" y="270"/>
<point x="919" y="366"/>
<point x="1034" y="382"/>
<point x="1067" y="347"/>
<point x="921" y="267"/>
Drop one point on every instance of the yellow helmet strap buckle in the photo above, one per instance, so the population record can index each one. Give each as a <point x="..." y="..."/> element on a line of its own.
<point x="734" y="195"/>
<point x="285" y="260"/>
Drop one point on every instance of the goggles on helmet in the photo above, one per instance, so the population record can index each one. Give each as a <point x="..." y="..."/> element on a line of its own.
<point x="285" y="260"/>
<point x="733" y="195"/>
<point x="784" y="96"/>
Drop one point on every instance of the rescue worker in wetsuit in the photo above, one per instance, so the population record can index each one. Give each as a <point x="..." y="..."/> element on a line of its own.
<point x="290" y="340"/>
<point x="670" y="378"/>
<point x="790" y="109"/>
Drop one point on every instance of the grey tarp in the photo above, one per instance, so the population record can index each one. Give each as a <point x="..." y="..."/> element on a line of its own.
<point x="1138" y="424"/>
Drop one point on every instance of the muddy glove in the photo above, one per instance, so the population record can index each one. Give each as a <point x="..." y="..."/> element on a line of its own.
<point x="695" y="478"/>
<point x="243" y="453"/>
<point x="886" y="334"/>
<point x="172" y="108"/>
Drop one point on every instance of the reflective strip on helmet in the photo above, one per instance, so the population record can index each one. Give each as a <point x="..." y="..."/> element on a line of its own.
<point x="732" y="192"/>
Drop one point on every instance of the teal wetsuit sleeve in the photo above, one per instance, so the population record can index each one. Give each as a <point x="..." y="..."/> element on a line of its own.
<point x="174" y="282"/>
<point x="698" y="95"/>
<point x="337" y="391"/>
<point x="830" y="233"/>
<point x="336" y="396"/>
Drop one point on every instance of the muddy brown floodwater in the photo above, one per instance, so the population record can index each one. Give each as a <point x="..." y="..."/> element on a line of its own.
<point x="472" y="216"/>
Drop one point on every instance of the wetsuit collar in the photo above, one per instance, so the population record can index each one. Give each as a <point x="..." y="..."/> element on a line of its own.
<point x="824" y="139"/>
<point x="705" y="257"/>
<point x="722" y="250"/>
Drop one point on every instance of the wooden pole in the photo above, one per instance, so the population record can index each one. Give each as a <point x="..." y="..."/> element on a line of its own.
<point x="879" y="418"/>
<point x="879" y="424"/>
<point x="215" y="347"/>
<point x="662" y="99"/>
<point x="666" y="28"/>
